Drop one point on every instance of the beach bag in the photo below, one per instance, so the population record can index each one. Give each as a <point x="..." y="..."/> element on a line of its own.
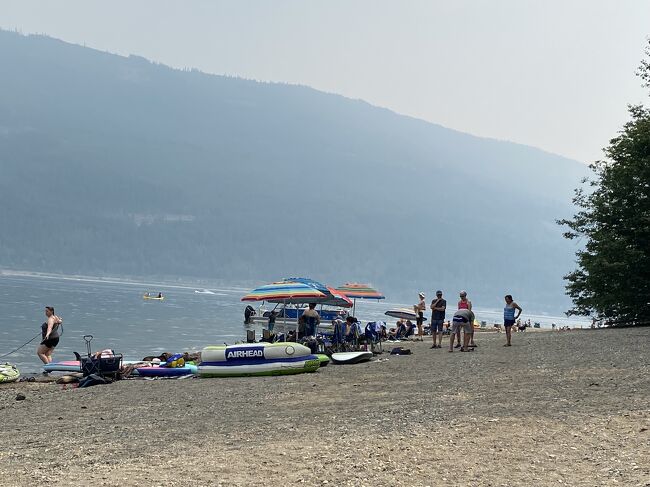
<point x="400" y="351"/>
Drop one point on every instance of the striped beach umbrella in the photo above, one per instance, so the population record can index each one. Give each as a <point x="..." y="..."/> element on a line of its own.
<point x="355" y="290"/>
<point x="338" y="299"/>
<point x="333" y="297"/>
<point x="286" y="292"/>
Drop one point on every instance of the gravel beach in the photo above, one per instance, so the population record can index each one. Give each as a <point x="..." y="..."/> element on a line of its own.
<point x="556" y="408"/>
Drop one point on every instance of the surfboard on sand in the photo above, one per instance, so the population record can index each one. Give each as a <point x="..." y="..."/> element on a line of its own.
<point x="351" y="357"/>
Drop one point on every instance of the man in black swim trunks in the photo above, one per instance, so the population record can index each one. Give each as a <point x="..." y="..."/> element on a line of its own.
<point x="50" y="332"/>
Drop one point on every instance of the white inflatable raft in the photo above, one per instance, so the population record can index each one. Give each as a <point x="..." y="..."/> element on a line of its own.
<point x="253" y="359"/>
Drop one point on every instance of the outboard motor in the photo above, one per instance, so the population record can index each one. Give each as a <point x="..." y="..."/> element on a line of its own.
<point x="249" y="312"/>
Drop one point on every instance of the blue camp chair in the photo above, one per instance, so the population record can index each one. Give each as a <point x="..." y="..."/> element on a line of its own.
<point x="374" y="333"/>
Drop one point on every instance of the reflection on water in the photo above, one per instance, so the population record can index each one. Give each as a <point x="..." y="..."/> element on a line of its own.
<point x="117" y="316"/>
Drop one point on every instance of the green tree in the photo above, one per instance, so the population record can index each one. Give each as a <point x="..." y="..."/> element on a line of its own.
<point x="612" y="280"/>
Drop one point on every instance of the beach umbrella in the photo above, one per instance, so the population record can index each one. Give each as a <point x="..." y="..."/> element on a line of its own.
<point x="310" y="282"/>
<point x="355" y="290"/>
<point x="402" y="314"/>
<point x="338" y="299"/>
<point x="286" y="292"/>
<point x="334" y="297"/>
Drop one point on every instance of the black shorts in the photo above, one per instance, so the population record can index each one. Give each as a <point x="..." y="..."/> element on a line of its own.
<point x="51" y="342"/>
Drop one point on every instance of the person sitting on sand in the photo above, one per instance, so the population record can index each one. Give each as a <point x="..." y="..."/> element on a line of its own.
<point x="50" y="332"/>
<point x="463" y="318"/>
<point x="511" y="314"/>
<point x="394" y="332"/>
<point x="351" y="328"/>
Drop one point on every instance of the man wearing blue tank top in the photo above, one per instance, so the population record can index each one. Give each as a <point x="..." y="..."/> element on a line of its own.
<point x="511" y="313"/>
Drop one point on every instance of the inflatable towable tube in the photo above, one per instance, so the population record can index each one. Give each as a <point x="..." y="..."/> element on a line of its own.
<point x="253" y="359"/>
<point x="8" y="373"/>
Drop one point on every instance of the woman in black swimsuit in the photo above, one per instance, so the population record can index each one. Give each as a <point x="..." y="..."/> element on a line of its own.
<point x="50" y="332"/>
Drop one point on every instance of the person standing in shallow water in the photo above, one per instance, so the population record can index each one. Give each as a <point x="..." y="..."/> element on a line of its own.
<point x="50" y="332"/>
<point x="511" y="314"/>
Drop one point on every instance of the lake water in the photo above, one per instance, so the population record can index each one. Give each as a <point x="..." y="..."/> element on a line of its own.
<point x="118" y="318"/>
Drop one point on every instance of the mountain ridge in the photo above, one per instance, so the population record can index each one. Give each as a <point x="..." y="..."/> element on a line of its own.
<point x="128" y="141"/>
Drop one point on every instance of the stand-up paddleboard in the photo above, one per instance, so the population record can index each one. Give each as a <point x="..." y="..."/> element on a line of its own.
<point x="75" y="365"/>
<point x="63" y="366"/>
<point x="8" y="373"/>
<point x="257" y="359"/>
<point x="351" y="357"/>
<point x="156" y="371"/>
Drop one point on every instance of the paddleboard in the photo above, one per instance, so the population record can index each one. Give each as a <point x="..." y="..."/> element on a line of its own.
<point x="155" y="371"/>
<point x="75" y="365"/>
<point x="351" y="357"/>
<point x="8" y="373"/>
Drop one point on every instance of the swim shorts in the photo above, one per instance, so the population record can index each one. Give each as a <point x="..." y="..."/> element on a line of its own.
<point x="508" y="323"/>
<point x="461" y="324"/>
<point x="420" y="319"/>
<point x="51" y="342"/>
<point x="437" y="325"/>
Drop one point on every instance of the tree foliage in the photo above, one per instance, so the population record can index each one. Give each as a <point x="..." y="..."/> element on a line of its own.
<point x="612" y="281"/>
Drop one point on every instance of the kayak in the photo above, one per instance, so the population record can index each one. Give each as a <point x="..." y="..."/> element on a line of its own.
<point x="154" y="298"/>
<point x="351" y="357"/>
<point x="8" y="373"/>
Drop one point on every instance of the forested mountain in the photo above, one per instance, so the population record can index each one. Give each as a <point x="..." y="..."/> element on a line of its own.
<point x="119" y="166"/>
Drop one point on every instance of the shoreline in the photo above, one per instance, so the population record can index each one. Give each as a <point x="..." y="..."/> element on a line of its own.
<point x="569" y="407"/>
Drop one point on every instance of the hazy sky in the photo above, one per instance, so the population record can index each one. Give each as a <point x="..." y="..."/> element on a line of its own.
<point x="552" y="74"/>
